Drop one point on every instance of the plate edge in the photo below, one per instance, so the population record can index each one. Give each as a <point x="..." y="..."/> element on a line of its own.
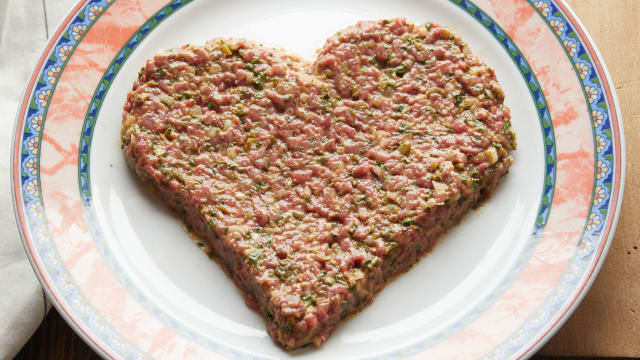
<point x="35" y="264"/>
<point x="562" y="319"/>
<point x="536" y="346"/>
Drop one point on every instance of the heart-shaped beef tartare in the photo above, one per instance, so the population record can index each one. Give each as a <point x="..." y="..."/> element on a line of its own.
<point x="314" y="183"/>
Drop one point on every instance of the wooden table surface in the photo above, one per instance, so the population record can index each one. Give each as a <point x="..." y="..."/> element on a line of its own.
<point x="606" y="323"/>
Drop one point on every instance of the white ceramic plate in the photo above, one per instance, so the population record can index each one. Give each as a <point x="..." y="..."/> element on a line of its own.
<point x="121" y="269"/>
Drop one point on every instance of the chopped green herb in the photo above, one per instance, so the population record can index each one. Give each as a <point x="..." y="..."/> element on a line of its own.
<point x="259" y="81"/>
<point x="255" y="256"/>
<point x="282" y="271"/>
<point x="372" y="262"/>
<point x="408" y="222"/>
<point x="376" y="62"/>
<point x="268" y="314"/>
<point x="509" y="130"/>
<point x="287" y="327"/>
<point x="401" y="70"/>
<point x="310" y="299"/>
<point x="259" y="185"/>
<point x="340" y="278"/>
<point x="328" y="280"/>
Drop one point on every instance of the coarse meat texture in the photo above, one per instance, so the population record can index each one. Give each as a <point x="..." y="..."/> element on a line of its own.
<point x="314" y="183"/>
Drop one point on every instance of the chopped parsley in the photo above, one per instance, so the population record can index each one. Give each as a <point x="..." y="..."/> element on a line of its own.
<point x="509" y="130"/>
<point x="259" y="81"/>
<point x="328" y="280"/>
<point x="309" y="299"/>
<point x="372" y="262"/>
<point x="408" y="222"/>
<point x="376" y="62"/>
<point x="398" y="70"/>
<point x="255" y="256"/>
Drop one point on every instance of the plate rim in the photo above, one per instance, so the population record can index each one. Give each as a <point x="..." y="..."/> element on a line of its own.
<point x="564" y="316"/>
<point x="14" y="159"/>
<point x="570" y="306"/>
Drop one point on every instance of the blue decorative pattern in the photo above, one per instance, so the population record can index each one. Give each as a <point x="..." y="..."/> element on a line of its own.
<point x="31" y="195"/>
<point x="38" y="233"/>
<point x="592" y="237"/>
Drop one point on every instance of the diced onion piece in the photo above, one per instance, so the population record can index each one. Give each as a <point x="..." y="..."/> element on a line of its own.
<point x="492" y="155"/>
<point x="440" y="188"/>
<point x="404" y="149"/>
<point x="166" y="99"/>
<point x="225" y="48"/>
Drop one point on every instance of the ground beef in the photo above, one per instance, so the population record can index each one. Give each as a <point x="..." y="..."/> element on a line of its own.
<point x="315" y="183"/>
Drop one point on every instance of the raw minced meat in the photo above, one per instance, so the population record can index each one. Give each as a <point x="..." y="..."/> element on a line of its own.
<point x="314" y="183"/>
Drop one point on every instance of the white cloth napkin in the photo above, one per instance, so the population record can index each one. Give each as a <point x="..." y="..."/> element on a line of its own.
<point x="24" y="27"/>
